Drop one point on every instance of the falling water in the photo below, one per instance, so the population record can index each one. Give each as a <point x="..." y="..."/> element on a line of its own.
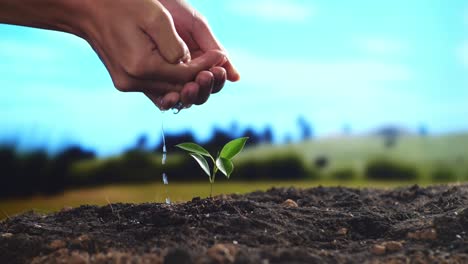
<point x="176" y="109"/>
<point x="163" y="161"/>
<point x="164" y="176"/>
<point x="164" y="150"/>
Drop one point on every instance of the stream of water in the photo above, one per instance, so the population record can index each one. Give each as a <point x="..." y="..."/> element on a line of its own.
<point x="163" y="161"/>
<point x="176" y="109"/>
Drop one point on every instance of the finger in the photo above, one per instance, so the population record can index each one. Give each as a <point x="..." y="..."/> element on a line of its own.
<point x="205" y="80"/>
<point x="186" y="72"/>
<point x="165" y="102"/>
<point x="157" y="88"/>
<point x="207" y="41"/>
<point x="196" y="53"/>
<point x="232" y="73"/>
<point x="219" y="74"/>
<point x="157" y="100"/>
<point x="170" y="100"/>
<point x="189" y="94"/>
<point x="160" y="27"/>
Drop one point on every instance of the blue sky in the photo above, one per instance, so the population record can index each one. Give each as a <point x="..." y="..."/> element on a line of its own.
<point x="363" y="63"/>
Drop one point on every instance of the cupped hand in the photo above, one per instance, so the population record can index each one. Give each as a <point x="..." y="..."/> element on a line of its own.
<point x="193" y="28"/>
<point x="138" y="43"/>
<point x="136" y="40"/>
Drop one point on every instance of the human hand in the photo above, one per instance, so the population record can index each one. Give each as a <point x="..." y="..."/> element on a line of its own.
<point x="136" y="40"/>
<point x="196" y="33"/>
<point x="141" y="49"/>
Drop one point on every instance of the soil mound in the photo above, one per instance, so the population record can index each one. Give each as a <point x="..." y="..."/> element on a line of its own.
<point x="281" y="225"/>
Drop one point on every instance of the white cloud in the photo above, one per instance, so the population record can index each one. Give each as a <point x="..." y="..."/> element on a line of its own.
<point x="462" y="53"/>
<point x="382" y="46"/>
<point x="273" y="10"/>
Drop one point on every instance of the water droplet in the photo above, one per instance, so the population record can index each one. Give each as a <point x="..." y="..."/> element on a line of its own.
<point x="164" y="155"/>
<point x="165" y="181"/>
<point x="168" y="201"/>
<point x="177" y="107"/>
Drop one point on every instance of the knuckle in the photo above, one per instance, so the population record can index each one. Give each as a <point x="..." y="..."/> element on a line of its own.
<point x="201" y="19"/>
<point x="177" y="54"/>
<point x="122" y="84"/>
<point x="135" y="67"/>
<point x="164" y="16"/>
<point x="159" y="18"/>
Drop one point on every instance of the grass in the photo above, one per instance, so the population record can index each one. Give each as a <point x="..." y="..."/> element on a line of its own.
<point x="156" y="192"/>
<point x="427" y="154"/>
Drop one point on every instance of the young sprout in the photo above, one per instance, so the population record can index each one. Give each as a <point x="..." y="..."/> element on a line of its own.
<point x="223" y="162"/>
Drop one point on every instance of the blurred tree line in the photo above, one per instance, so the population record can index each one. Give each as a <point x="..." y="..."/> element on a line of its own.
<point x="36" y="172"/>
<point x="24" y="174"/>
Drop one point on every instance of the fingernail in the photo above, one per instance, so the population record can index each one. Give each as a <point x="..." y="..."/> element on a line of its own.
<point x="161" y="104"/>
<point x="224" y="60"/>
<point x="186" y="58"/>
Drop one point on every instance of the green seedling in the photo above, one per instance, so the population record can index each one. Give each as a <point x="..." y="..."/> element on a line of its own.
<point x="222" y="163"/>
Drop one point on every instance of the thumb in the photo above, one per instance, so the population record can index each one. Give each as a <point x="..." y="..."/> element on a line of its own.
<point x="186" y="72"/>
<point x="208" y="60"/>
<point x="163" y="32"/>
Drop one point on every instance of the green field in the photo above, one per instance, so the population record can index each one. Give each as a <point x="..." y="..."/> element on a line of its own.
<point x="425" y="153"/>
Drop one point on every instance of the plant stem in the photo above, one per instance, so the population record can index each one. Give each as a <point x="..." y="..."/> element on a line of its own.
<point x="211" y="189"/>
<point x="212" y="179"/>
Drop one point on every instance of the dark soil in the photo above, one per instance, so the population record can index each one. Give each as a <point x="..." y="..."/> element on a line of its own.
<point x="319" y="225"/>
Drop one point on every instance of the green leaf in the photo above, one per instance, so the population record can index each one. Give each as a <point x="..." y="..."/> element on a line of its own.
<point x="232" y="148"/>
<point x="202" y="162"/>
<point x="192" y="147"/>
<point x="225" y="166"/>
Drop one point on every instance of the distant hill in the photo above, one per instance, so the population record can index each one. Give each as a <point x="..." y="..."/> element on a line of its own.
<point x="425" y="152"/>
<point x="391" y="131"/>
